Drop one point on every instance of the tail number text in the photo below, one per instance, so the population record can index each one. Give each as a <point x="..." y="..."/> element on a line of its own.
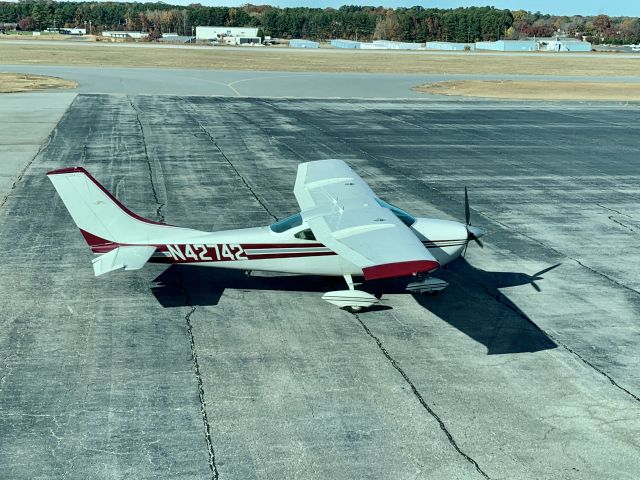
<point x="207" y="253"/>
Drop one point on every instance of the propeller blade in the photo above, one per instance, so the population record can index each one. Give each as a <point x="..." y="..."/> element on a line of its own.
<point x="536" y="287"/>
<point x="473" y="233"/>
<point x="548" y="269"/>
<point x="467" y="213"/>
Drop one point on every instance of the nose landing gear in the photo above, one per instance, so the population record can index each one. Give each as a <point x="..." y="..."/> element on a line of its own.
<point x="428" y="285"/>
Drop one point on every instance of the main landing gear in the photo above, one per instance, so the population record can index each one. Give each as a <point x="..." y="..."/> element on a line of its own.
<point x="352" y="299"/>
<point x="355" y="300"/>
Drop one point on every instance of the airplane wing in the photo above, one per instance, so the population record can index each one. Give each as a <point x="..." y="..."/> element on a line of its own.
<point x="344" y="214"/>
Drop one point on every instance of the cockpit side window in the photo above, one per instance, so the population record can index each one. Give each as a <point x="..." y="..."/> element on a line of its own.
<point x="286" y="223"/>
<point x="406" y="218"/>
<point x="305" y="234"/>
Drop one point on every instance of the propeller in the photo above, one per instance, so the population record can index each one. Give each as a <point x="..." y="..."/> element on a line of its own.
<point x="536" y="276"/>
<point x="473" y="233"/>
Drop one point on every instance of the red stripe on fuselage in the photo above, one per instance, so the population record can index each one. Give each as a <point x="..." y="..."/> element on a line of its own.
<point x="102" y="245"/>
<point x="268" y="256"/>
<point x="206" y="253"/>
<point x="252" y="246"/>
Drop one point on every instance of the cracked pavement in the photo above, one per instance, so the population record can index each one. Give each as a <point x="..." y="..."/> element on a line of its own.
<point x="202" y="373"/>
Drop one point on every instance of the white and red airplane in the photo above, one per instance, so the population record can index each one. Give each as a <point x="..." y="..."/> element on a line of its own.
<point x="343" y="229"/>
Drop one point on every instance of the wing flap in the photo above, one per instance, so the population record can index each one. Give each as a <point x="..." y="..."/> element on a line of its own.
<point x="127" y="257"/>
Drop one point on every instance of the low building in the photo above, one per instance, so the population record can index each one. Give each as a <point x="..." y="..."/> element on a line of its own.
<point x="123" y="34"/>
<point x="73" y="31"/>
<point x="508" y="46"/>
<point x="371" y="46"/>
<point x="375" y="45"/>
<point x="450" y="46"/>
<point x="241" y="40"/>
<point x="563" y="45"/>
<point x="296" y="43"/>
<point x="172" y="37"/>
<point x="339" y="43"/>
<point x="7" y="27"/>
<point x="391" y="45"/>
<point x="218" y="33"/>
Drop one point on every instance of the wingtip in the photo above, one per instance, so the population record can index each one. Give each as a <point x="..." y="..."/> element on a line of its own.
<point x="399" y="269"/>
<point x="68" y="170"/>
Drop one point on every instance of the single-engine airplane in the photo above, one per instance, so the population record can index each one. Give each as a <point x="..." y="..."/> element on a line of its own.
<point x="342" y="229"/>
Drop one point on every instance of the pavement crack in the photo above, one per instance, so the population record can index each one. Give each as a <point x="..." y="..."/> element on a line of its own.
<point x="613" y="210"/>
<point x="160" y="204"/>
<point x="610" y="217"/>
<point x="562" y="254"/>
<point x="599" y="370"/>
<point x="420" y="398"/>
<point x="244" y="180"/>
<point x="233" y="167"/>
<point x="196" y="367"/>
<point x="497" y="296"/>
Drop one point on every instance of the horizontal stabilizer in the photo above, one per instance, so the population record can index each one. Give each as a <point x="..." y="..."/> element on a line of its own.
<point x="129" y="258"/>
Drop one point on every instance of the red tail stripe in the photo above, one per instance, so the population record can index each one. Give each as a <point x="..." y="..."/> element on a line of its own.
<point x="94" y="240"/>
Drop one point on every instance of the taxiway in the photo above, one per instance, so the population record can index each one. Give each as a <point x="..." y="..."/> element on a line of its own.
<point x="202" y="373"/>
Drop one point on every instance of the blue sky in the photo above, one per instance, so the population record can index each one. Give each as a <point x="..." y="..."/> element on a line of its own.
<point x="558" y="7"/>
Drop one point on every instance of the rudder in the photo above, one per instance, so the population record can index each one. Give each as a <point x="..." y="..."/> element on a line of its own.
<point x="102" y="219"/>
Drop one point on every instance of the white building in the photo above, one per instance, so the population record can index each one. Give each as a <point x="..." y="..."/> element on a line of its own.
<point x="391" y="45"/>
<point x="450" y="46"/>
<point x="370" y="46"/>
<point x="297" y="43"/>
<point x="340" y="43"/>
<point x="242" y="40"/>
<point x="375" y="45"/>
<point x="217" y="33"/>
<point x="123" y="34"/>
<point x="563" y="45"/>
<point x="508" y="46"/>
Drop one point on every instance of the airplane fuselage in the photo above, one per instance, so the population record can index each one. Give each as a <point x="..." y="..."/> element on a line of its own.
<point x="342" y="229"/>
<point x="262" y="249"/>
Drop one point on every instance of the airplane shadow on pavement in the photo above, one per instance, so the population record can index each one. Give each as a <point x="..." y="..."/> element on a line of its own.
<point x="181" y="286"/>
<point x="472" y="303"/>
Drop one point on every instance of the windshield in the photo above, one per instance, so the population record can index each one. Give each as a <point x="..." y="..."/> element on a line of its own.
<point x="286" y="223"/>
<point x="407" y="219"/>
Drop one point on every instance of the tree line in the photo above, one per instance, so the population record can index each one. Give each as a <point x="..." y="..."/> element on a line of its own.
<point x="416" y="24"/>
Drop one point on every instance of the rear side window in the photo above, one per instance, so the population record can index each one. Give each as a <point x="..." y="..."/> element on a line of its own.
<point x="305" y="234"/>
